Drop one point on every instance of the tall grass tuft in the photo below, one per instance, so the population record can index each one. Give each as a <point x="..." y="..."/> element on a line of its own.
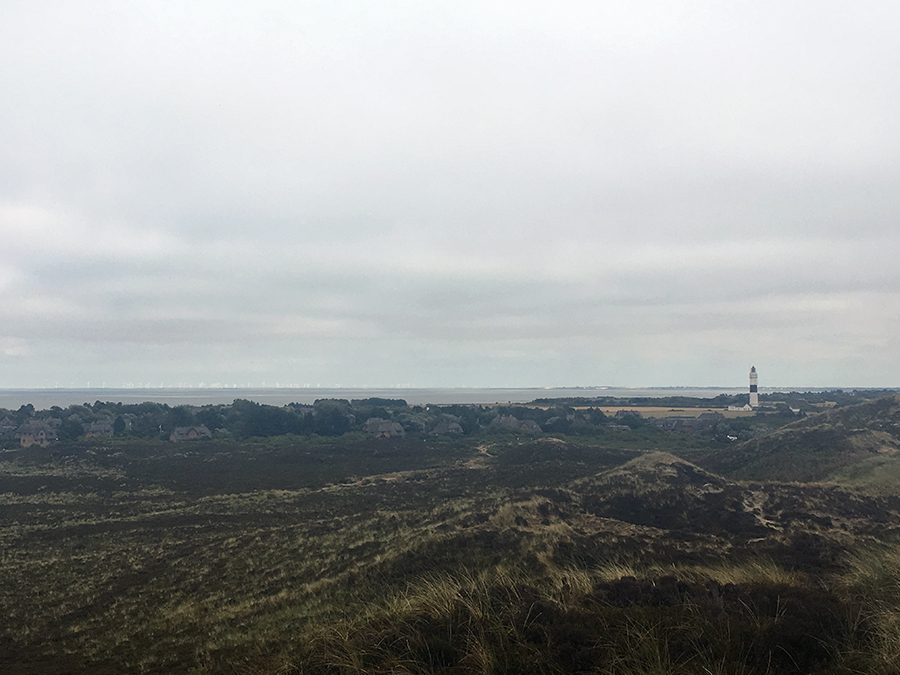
<point x="728" y="620"/>
<point x="755" y="571"/>
<point x="873" y="582"/>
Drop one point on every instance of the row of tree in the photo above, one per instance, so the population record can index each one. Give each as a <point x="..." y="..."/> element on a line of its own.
<point x="331" y="417"/>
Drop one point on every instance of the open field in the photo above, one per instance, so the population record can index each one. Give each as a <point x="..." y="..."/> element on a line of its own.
<point x="503" y="553"/>
<point x="632" y="551"/>
<point x="655" y="411"/>
<point x="650" y="411"/>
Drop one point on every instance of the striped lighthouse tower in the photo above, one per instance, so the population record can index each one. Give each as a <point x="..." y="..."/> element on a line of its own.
<point x="754" y="397"/>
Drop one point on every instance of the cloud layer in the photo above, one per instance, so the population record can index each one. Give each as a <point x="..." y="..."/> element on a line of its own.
<point x="465" y="194"/>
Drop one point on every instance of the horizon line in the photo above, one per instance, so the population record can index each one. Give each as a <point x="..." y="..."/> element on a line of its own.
<point x="221" y="387"/>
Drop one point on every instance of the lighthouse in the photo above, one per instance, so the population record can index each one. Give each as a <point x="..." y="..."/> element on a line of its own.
<point x="754" y="397"/>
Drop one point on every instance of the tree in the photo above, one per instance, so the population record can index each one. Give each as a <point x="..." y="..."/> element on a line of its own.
<point x="332" y="417"/>
<point x="70" y="429"/>
<point x="25" y="412"/>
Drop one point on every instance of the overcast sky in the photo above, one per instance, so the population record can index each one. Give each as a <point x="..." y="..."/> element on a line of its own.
<point x="342" y="193"/>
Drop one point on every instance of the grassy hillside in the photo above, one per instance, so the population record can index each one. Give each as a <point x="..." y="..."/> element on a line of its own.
<point x="149" y="555"/>
<point x="399" y="555"/>
<point x="879" y="475"/>
<point x="852" y="443"/>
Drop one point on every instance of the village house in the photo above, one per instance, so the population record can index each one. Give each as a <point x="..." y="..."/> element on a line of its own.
<point x="379" y="428"/>
<point x="34" y="432"/>
<point x="98" y="429"/>
<point x="513" y="422"/>
<point x="8" y="427"/>
<point x="447" y="426"/>
<point x="190" y="433"/>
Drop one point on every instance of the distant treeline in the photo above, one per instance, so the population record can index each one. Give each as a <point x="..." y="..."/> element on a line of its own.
<point x="720" y="401"/>
<point x="377" y="417"/>
<point x="326" y="417"/>
<point x="806" y="400"/>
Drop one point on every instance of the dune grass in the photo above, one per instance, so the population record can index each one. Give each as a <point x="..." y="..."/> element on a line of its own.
<point x="748" y="619"/>
<point x="872" y="583"/>
<point x="304" y="566"/>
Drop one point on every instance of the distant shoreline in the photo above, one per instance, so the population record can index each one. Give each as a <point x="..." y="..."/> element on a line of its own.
<point x="47" y="398"/>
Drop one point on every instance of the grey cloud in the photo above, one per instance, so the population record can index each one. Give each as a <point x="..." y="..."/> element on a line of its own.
<point x="470" y="194"/>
